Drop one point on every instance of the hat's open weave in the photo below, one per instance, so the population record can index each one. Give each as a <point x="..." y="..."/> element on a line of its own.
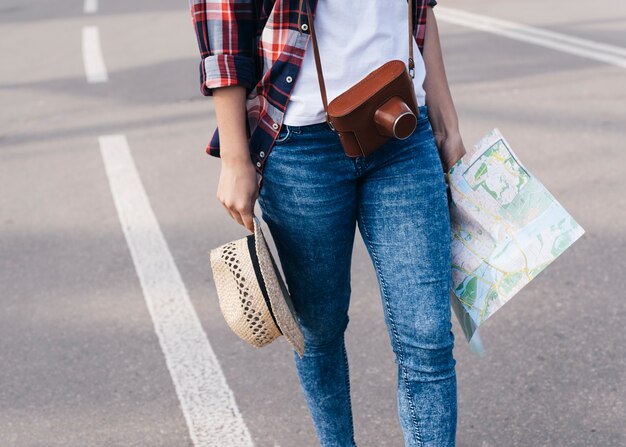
<point x="252" y="295"/>
<point x="239" y="293"/>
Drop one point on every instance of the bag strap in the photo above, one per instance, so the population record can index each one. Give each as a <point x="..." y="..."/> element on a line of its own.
<point x="316" y="54"/>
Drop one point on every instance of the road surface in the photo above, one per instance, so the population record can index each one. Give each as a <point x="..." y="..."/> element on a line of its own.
<point x="108" y="209"/>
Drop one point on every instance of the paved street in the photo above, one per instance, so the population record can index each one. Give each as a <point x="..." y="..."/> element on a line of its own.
<point x="108" y="211"/>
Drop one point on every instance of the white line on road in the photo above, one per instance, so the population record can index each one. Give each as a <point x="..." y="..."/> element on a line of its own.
<point x="95" y="70"/>
<point x="207" y="401"/>
<point x="90" y="6"/>
<point x="589" y="49"/>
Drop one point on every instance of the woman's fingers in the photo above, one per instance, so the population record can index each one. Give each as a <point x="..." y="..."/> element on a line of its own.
<point x="236" y="214"/>
<point x="242" y="214"/>
<point x="228" y="210"/>
<point x="247" y="221"/>
<point x="238" y="190"/>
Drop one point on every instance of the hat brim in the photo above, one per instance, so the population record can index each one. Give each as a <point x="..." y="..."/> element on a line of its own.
<point x="280" y="300"/>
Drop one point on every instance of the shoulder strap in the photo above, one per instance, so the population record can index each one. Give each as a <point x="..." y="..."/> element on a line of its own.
<point x="316" y="54"/>
<point x="411" y="40"/>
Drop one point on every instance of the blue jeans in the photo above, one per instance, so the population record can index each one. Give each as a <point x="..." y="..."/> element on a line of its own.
<point x="311" y="196"/>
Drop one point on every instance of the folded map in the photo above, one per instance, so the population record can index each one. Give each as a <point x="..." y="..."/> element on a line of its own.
<point x="506" y="228"/>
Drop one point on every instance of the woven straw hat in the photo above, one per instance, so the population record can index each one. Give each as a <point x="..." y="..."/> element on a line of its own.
<point x="252" y="294"/>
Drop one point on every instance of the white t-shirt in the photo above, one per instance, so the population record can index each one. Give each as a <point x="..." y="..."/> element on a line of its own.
<point x="352" y="42"/>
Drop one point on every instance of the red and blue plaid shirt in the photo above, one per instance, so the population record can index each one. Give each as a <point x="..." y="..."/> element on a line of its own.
<point x="257" y="44"/>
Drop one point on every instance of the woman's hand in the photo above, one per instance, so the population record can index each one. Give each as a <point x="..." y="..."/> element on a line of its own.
<point x="451" y="148"/>
<point x="237" y="189"/>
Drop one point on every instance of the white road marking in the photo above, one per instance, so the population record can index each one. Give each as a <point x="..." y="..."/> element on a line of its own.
<point x="95" y="70"/>
<point x="90" y="6"/>
<point x="589" y="49"/>
<point x="206" y="400"/>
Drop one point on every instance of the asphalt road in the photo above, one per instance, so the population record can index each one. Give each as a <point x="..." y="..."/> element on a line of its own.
<point x="81" y="363"/>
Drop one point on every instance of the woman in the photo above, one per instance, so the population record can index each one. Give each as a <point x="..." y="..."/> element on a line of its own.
<point x="276" y="146"/>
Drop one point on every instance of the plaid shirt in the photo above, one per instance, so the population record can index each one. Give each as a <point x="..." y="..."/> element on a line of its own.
<point x="257" y="44"/>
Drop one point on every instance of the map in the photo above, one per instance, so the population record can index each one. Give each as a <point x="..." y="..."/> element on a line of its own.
<point x="506" y="229"/>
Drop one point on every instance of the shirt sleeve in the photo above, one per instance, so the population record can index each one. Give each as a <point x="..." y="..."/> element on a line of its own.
<point x="226" y="31"/>
<point x="432" y="3"/>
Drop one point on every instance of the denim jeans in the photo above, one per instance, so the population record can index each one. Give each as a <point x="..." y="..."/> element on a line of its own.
<point x="311" y="197"/>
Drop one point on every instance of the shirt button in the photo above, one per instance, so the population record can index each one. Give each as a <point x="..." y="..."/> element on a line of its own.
<point x="304" y="27"/>
<point x="258" y="163"/>
<point x="289" y="79"/>
<point x="262" y="154"/>
<point x="275" y="126"/>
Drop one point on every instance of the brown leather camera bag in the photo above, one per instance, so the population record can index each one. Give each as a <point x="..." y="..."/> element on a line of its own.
<point x="380" y="106"/>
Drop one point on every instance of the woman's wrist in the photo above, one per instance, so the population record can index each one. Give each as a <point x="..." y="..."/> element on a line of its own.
<point x="444" y="121"/>
<point x="236" y="157"/>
